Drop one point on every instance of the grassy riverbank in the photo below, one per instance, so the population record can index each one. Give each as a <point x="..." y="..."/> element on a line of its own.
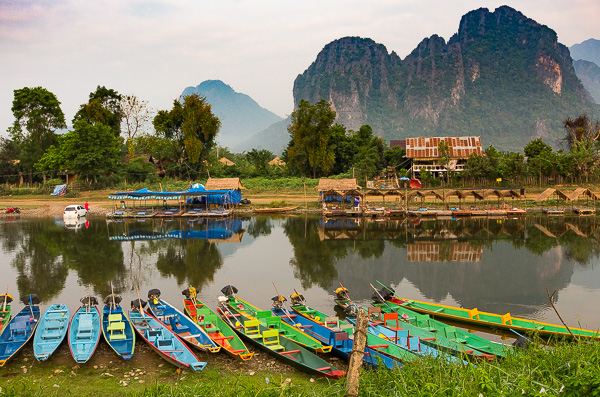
<point x="569" y="369"/>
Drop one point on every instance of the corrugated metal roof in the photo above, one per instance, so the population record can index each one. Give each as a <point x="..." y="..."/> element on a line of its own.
<point x="461" y="147"/>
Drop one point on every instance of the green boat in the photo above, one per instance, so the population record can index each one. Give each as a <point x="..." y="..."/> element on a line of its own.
<point x="5" y="311"/>
<point x="442" y="341"/>
<point x="267" y="319"/>
<point x="491" y="320"/>
<point x="214" y="326"/>
<point x="378" y="343"/>
<point x="259" y="335"/>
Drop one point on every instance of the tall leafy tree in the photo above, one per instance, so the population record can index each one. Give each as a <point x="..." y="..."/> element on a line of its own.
<point x="580" y="129"/>
<point x="311" y="130"/>
<point x="260" y="160"/>
<point x="190" y="128"/>
<point x="88" y="150"/>
<point x="104" y="106"/>
<point x="37" y="115"/>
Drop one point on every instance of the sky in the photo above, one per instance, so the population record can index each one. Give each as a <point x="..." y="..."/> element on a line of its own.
<point x="155" y="48"/>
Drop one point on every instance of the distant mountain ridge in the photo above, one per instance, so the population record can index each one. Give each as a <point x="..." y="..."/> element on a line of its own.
<point x="502" y="76"/>
<point x="588" y="50"/>
<point x="586" y="60"/>
<point x="241" y="117"/>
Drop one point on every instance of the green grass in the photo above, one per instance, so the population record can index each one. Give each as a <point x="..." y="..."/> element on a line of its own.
<point x="567" y="369"/>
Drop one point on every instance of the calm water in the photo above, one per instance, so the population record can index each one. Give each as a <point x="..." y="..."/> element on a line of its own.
<point x="492" y="264"/>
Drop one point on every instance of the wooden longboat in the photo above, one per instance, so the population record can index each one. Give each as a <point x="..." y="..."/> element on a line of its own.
<point x="377" y="348"/>
<point x="516" y="212"/>
<point x="163" y="341"/>
<point x="461" y="213"/>
<point x="85" y="330"/>
<point x="491" y="320"/>
<point x="254" y="332"/>
<point x="553" y="211"/>
<point x="273" y="210"/>
<point x="19" y="329"/>
<point x="269" y="320"/>
<point x="51" y="331"/>
<point x="437" y="340"/>
<point x="215" y="327"/>
<point x="117" y="329"/>
<point x="183" y="326"/>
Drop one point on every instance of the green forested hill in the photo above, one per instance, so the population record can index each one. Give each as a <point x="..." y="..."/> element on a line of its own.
<point x="502" y="76"/>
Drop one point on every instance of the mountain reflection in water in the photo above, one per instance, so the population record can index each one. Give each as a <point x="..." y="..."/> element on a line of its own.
<point x="498" y="265"/>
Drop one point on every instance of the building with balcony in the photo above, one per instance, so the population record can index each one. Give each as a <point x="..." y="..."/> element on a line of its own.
<point x="426" y="156"/>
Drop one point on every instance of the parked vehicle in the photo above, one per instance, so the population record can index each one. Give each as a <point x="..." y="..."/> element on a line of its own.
<point x="74" y="211"/>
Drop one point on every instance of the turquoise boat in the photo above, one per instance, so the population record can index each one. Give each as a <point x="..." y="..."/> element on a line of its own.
<point x="116" y="328"/>
<point x="51" y="331"/>
<point x="162" y="340"/>
<point x="20" y="328"/>
<point x="84" y="330"/>
<point x="5" y="315"/>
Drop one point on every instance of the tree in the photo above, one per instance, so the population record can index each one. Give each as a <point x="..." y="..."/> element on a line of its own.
<point x="444" y="151"/>
<point x="136" y="115"/>
<point x="37" y="115"/>
<point x="260" y="160"/>
<point x="581" y="129"/>
<point x="89" y="150"/>
<point x="311" y="130"/>
<point x="536" y="147"/>
<point x="104" y="106"/>
<point x="190" y="128"/>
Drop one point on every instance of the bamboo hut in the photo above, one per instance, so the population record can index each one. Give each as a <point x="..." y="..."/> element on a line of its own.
<point x="339" y="191"/>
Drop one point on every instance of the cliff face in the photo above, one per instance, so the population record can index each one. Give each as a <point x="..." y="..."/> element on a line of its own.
<point x="502" y="76"/>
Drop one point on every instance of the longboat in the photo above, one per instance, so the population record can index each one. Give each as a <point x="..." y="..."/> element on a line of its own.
<point x="51" y="331"/>
<point x="491" y="320"/>
<point x="161" y="339"/>
<point x="20" y="328"/>
<point x="116" y="327"/>
<point x="268" y="340"/>
<point x="445" y="341"/>
<point x="84" y="330"/>
<point x="215" y="327"/>
<point x="273" y="210"/>
<point x="339" y="339"/>
<point x="183" y="326"/>
<point x="270" y="321"/>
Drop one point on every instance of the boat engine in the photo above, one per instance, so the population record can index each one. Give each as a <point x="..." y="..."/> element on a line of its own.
<point x="137" y="303"/>
<point x="297" y="299"/>
<point x="341" y="293"/>
<point x="278" y="301"/>
<point x="229" y="290"/>
<point x="385" y="293"/>
<point x="351" y="311"/>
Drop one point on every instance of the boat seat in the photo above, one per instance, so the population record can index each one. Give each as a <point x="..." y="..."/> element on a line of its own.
<point x="252" y="329"/>
<point x="451" y="333"/>
<point x="332" y="322"/>
<point x="178" y="328"/>
<point x="264" y="314"/>
<point x="374" y="314"/>
<point x="391" y="321"/>
<point x="209" y="323"/>
<point x="273" y="322"/>
<point x="340" y="338"/>
<point x="115" y="317"/>
<point x="151" y="333"/>
<point x="424" y="321"/>
<point x="55" y="316"/>
<point x="117" y="330"/>
<point x="163" y="343"/>
<point x="51" y="335"/>
<point x="413" y="343"/>
<point x="271" y="339"/>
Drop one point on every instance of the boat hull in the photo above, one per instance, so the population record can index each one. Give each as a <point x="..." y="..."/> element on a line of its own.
<point x="18" y="332"/>
<point x="84" y="333"/>
<point x="51" y="331"/>
<point x="118" y="331"/>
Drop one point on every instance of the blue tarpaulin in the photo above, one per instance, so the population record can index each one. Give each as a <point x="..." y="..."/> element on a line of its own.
<point x="59" y="190"/>
<point x="196" y="191"/>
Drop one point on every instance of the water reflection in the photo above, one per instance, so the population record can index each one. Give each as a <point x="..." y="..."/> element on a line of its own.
<point x="500" y="265"/>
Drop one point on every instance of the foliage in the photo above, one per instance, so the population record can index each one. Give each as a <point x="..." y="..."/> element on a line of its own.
<point x="311" y="130"/>
<point x="88" y="150"/>
<point x="104" y="106"/>
<point x="37" y="115"/>
<point x="136" y="115"/>
<point x="580" y="130"/>
<point x="260" y="160"/>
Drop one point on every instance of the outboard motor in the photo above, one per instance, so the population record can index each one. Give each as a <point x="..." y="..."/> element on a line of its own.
<point x="341" y="293"/>
<point x="278" y="301"/>
<point x="6" y="298"/>
<point x="297" y="299"/>
<point x="89" y="301"/>
<point x="229" y="290"/>
<point x="153" y="295"/>
<point x="137" y="303"/>
<point x="351" y="311"/>
<point x="29" y="300"/>
<point x="112" y="300"/>
<point x="189" y="292"/>
<point x="385" y="293"/>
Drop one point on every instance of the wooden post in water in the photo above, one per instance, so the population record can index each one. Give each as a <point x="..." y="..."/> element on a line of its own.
<point x="358" y="351"/>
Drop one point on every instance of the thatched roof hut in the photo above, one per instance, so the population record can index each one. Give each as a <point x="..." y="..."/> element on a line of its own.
<point x="339" y="185"/>
<point x="224" y="184"/>
<point x="277" y="162"/>
<point x="226" y="161"/>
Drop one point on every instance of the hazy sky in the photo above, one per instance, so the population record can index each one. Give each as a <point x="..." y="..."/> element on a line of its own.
<point x="154" y="49"/>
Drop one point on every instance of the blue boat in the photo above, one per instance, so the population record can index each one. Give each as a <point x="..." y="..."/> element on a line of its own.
<point x="84" y="330"/>
<point x="20" y="328"/>
<point x="183" y="326"/>
<point x="339" y="340"/>
<point x="161" y="339"/>
<point x="116" y="328"/>
<point x="51" y="331"/>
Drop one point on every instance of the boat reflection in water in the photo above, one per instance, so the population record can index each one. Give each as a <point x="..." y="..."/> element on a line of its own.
<point x="213" y="230"/>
